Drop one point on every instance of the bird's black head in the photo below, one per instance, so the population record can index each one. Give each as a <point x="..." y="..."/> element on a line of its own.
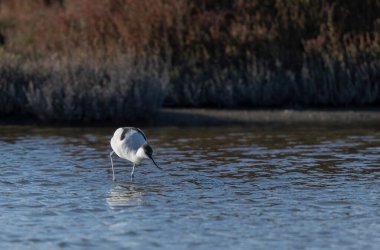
<point x="148" y="150"/>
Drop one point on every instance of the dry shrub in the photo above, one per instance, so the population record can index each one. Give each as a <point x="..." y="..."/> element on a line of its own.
<point x="126" y="90"/>
<point x="13" y="84"/>
<point x="236" y="53"/>
<point x="277" y="53"/>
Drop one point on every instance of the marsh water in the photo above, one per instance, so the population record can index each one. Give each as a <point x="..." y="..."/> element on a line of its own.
<point x="238" y="187"/>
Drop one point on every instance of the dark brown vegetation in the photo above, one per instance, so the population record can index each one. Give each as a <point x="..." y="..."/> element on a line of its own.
<point x="105" y="59"/>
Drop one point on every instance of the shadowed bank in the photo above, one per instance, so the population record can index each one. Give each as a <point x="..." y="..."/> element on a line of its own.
<point x="170" y="116"/>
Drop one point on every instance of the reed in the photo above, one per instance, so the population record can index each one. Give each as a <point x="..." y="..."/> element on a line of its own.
<point x="125" y="90"/>
<point x="105" y="59"/>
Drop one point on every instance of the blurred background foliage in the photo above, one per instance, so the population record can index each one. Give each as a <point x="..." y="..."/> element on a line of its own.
<point x="104" y="59"/>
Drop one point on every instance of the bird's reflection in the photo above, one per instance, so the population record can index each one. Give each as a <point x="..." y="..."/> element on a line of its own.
<point x="125" y="196"/>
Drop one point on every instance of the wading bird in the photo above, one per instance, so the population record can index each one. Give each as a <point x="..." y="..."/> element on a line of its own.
<point x="131" y="144"/>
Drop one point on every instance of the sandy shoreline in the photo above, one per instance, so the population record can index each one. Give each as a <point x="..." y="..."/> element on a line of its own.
<point x="170" y="116"/>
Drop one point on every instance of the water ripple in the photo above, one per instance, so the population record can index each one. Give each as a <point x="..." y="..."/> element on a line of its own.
<point x="222" y="187"/>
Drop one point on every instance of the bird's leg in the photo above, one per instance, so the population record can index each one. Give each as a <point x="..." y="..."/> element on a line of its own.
<point x="113" y="172"/>
<point x="133" y="171"/>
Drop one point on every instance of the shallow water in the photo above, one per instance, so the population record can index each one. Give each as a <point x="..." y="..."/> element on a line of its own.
<point x="261" y="187"/>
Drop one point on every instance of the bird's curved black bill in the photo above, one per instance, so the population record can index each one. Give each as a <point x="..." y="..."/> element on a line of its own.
<point x="154" y="162"/>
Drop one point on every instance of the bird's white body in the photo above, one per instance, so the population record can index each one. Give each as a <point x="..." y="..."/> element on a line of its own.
<point x="127" y="142"/>
<point x="131" y="144"/>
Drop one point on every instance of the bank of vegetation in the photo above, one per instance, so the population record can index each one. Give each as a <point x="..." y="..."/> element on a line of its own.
<point x="85" y="60"/>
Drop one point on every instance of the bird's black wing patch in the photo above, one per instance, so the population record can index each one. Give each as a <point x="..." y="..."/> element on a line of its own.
<point x="122" y="136"/>
<point x="127" y="129"/>
<point x="142" y="133"/>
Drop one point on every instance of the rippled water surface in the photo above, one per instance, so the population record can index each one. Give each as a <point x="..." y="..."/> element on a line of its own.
<point x="262" y="187"/>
